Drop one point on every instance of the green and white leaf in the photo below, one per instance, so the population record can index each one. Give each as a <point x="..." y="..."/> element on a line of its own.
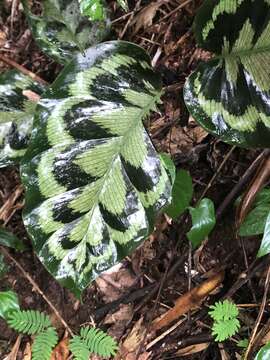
<point x="94" y="182"/>
<point x="255" y="222"/>
<point x="61" y="30"/>
<point x="9" y="303"/>
<point x="230" y="95"/>
<point x="265" y="244"/>
<point x="264" y="352"/>
<point x="16" y="115"/>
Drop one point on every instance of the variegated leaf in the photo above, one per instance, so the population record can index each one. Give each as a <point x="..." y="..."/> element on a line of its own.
<point x="61" y="29"/>
<point x="16" y="114"/>
<point x="94" y="182"/>
<point x="230" y="95"/>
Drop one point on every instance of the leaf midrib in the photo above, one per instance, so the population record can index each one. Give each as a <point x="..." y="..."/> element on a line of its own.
<point x="243" y="53"/>
<point x="142" y="115"/>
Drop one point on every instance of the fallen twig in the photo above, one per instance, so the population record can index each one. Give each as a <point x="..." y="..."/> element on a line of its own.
<point x="37" y="288"/>
<point x="23" y="70"/>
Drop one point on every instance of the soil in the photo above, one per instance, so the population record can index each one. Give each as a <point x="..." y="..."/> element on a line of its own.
<point x="118" y="300"/>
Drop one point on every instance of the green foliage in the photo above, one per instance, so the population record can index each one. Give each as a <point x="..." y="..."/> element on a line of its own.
<point x="254" y="223"/>
<point x="28" y="322"/>
<point x="10" y="240"/>
<point x="9" y="303"/>
<point x="229" y="95"/>
<point x="92" y="341"/>
<point x="61" y="30"/>
<point x="16" y="115"/>
<point x="123" y="4"/>
<point x="264" y="353"/>
<point x="225" y="319"/>
<point x="169" y="165"/>
<point x="93" y="193"/>
<point x="257" y="221"/>
<point x="243" y="343"/>
<point x="181" y="194"/>
<point x="203" y="221"/>
<point x="44" y="344"/>
<point x="94" y="9"/>
<point x="265" y="244"/>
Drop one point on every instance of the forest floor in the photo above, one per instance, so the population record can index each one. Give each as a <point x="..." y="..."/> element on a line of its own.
<point x="125" y="301"/>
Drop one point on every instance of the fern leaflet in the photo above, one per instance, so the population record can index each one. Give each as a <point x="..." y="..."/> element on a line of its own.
<point x="43" y="344"/>
<point x="91" y="341"/>
<point x="28" y="322"/>
<point x="223" y="330"/>
<point x="223" y="310"/>
<point x="225" y="319"/>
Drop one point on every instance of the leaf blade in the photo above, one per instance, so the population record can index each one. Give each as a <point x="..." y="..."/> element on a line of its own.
<point x="203" y="221"/>
<point x="228" y="95"/>
<point x="182" y="192"/>
<point x="93" y="197"/>
<point x="265" y="244"/>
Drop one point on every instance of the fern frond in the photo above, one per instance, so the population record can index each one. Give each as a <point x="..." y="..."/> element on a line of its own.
<point x="223" y="330"/>
<point x="44" y="344"/>
<point x="28" y="322"/>
<point x="79" y="348"/>
<point x="223" y="310"/>
<point x="92" y="340"/>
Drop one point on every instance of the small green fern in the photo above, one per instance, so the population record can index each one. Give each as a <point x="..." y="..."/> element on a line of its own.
<point x="44" y="344"/>
<point x="225" y="319"/>
<point x="92" y="341"/>
<point x="28" y="322"/>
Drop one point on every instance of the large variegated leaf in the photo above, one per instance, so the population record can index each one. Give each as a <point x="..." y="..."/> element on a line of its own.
<point x="230" y="95"/>
<point x="61" y="29"/>
<point x="16" y="114"/>
<point x="93" y="179"/>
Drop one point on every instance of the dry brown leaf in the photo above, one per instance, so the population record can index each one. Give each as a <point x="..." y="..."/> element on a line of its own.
<point x="112" y="285"/>
<point x="61" y="351"/>
<point x="119" y="320"/>
<point x="261" y="177"/>
<point x="188" y="301"/>
<point x="27" y="354"/>
<point x="14" y="352"/>
<point x="192" y="349"/>
<point x="145" y="17"/>
<point x="123" y="314"/>
<point x="131" y="344"/>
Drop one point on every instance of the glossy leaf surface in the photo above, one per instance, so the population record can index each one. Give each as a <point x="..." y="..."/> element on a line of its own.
<point x="255" y="221"/>
<point x="203" y="221"/>
<point x="61" y="30"/>
<point x="265" y="244"/>
<point x="230" y="95"/>
<point x="264" y="353"/>
<point x="10" y="240"/>
<point x="16" y="115"/>
<point x="93" y="179"/>
<point x="181" y="194"/>
<point x="8" y="303"/>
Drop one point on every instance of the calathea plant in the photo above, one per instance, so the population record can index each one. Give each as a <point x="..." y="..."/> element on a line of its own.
<point x="61" y="30"/>
<point x="230" y="95"/>
<point x="94" y="182"/>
